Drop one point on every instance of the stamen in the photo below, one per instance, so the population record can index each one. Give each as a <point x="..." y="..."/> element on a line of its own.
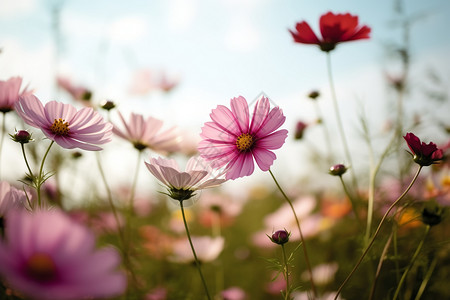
<point x="60" y="127"/>
<point x="41" y="267"/>
<point x="244" y="142"/>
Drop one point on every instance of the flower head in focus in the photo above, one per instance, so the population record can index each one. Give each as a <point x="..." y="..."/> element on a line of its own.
<point x="423" y="154"/>
<point x="183" y="185"/>
<point x="146" y="133"/>
<point x="9" y="93"/>
<point x="335" y="28"/>
<point x="47" y="255"/>
<point x="62" y="123"/>
<point x="232" y="140"/>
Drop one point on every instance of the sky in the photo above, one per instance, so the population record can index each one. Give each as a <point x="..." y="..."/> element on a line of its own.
<point x="218" y="49"/>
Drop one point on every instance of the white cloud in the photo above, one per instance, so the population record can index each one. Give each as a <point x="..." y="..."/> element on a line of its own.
<point x="12" y="8"/>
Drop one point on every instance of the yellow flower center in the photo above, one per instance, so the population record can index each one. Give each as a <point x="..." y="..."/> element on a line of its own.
<point x="41" y="267"/>
<point x="60" y="127"/>
<point x="244" y="142"/>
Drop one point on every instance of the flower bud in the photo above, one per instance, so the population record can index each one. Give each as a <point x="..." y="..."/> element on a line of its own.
<point x="337" y="170"/>
<point x="300" y="129"/>
<point x="280" y="237"/>
<point x="432" y="214"/>
<point x="21" y="136"/>
<point x="314" y="95"/>
<point x="108" y="105"/>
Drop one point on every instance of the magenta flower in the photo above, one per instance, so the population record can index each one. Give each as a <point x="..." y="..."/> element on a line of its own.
<point x="62" y="123"/>
<point x="335" y="28"/>
<point x="423" y="154"/>
<point x="46" y="255"/>
<point x="147" y="134"/>
<point x="232" y="140"/>
<point x="9" y="93"/>
<point x="182" y="185"/>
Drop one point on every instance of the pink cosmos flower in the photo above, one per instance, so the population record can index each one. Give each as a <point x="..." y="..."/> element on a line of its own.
<point x="233" y="140"/>
<point x="182" y="185"/>
<point x="9" y="93"/>
<point x="62" y="123"/>
<point x="423" y="154"/>
<point x="47" y="255"/>
<point x="206" y="248"/>
<point x="10" y="198"/>
<point x="335" y="28"/>
<point x="148" y="134"/>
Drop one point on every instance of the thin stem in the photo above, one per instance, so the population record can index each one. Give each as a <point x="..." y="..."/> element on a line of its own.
<point x="26" y="161"/>
<point x="339" y="122"/>
<point x="355" y="210"/>
<point x="380" y="264"/>
<point x="2" y="138"/>
<point x="411" y="263"/>
<point x="427" y="277"/>
<point x="286" y="273"/>
<point x="325" y="131"/>
<point x="40" y="180"/>
<point x="302" y="239"/>
<point x="197" y="263"/>
<point x="377" y="231"/>
<point x="135" y="179"/>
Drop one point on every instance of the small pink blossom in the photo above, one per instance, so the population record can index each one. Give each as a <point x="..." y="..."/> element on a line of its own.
<point x="234" y="293"/>
<point x="62" y="123"/>
<point x="206" y="248"/>
<point x="182" y="185"/>
<point x="47" y="255"/>
<point x="9" y="93"/>
<point x="232" y="140"/>
<point x="147" y="133"/>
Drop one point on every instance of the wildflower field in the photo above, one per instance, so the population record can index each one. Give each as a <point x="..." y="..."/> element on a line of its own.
<point x="101" y="198"/>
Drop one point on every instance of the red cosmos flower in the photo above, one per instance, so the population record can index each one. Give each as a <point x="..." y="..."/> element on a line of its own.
<point x="335" y="28"/>
<point x="423" y="154"/>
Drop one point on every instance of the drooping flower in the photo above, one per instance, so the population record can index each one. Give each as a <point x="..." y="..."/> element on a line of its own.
<point x="206" y="248"/>
<point x="10" y="198"/>
<point x="232" y="140"/>
<point x="62" y="123"/>
<point x="147" y="133"/>
<point x="9" y="93"/>
<point x="47" y="255"/>
<point x="79" y="93"/>
<point x="335" y="28"/>
<point x="183" y="185"/>
<point x="423" y="154"/>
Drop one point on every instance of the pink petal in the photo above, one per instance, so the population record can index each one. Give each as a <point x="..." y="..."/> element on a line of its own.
<point x="241" y="166"/>
<point x="264" y="158"/>
<point x="273" y="121"/>
<point x="239" y="108"/>
<point x="273" y="141"/>
<point x="260" y="113"/>
<point x="225" y="120"/>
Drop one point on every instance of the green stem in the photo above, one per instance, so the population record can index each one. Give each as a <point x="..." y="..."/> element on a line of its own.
<point x="286" y="274"/>
<point x="339" y="122"/>
<point x="325" y="131"/>
<point x="411" y="263"/>
<point x="427" y="277"/>
<point x="133" y="185"/>
<point x="40" y="179"/>
<point x="26" y="161"/>
<point x="197" y="263"/>
<point x="376" y="232"/>
<point x="355" y="210"/>
<point x="302" y="239"/>
<point x="380" y="264"/>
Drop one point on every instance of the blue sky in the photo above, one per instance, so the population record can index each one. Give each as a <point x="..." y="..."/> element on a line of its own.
<point x="219" y="49"/>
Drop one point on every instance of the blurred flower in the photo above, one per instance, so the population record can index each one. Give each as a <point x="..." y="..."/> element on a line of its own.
<point x="335" y="28"/>
<point x="10" y="92"/>
<point x="77" y="92"/>
<point x="322" y="274"/>
<point x="46" y="255"/>
<point x="276" y="285"/>
<point x="408" y="218"/>
<point x="62" y="123"/>
<point x="158" y="293"/>
<point x="206" y="248"/>
<point x="147" y="134"/>
<point x="218" y="208"/>
<point x="21" y="136"/>
<point x="432" y="213"/>
<point x="10" y="198"/>
<point x="280" y="237"/>
<point x="423" y="154"/>
<point x="335" y="208"/>
<point x="233" y="141"/>
<point x="307" y="295"/>
<point x="145" y="81"/>
<point x="233" y="293"/>
<point x="108" y="105"/>
<point x="300" y="129"/>
<point x="157" y="243"/>
<point x="183" y="185"/>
